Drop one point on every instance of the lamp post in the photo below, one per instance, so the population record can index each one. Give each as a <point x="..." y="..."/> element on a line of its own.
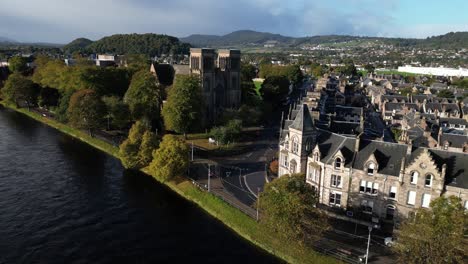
<point x="368" y="244"/>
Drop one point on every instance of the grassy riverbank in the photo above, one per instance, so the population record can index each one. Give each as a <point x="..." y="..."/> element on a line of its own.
<point x="230" y="216"/>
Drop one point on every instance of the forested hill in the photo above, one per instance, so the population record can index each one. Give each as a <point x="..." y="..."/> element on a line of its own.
<point x="149" y="44"/>
<point x="246" y="38"/>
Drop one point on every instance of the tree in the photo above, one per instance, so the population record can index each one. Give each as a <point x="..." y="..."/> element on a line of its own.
<point x="86" y="110"/>
<point x="18" y="64"/>
<point x="182" y="112"/>
<point x="64" y="101"/>
<point x="48" y="97"/>
<point x="118" y="114"/>
<point x="19" y="89"/>
<point x="130" y="148"/>
<point x="435" y="235"/>
<point x="149" y="143"/>
<point x="171" y="159"/>
<point x="369" y="68"/>
<point x="248" y="72"/>
<point x="274" y="89"/>
<point x="446" y="94"/>
<point x="144" y="96"/>
<point x="249" y="93"/>
<point x="288" y="208"/>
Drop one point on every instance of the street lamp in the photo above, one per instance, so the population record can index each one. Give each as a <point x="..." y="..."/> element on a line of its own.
<point x="368" y="243"/>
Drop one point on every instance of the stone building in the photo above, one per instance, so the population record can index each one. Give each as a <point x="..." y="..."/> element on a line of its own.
<point x="220" y="78"/>
<point x="369" y="180"/>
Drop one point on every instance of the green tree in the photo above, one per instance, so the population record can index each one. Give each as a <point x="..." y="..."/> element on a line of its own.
<point x="144" y="96"/>
<point x="118" y="114"/>
<point x="274" y="89"/>
<point x="61" y="113"/>
<point x="18" y="64"/>
<point x="86" y="110"/>
<point x="149" y="143"/>
<point x="435" y="235"/>
<point x="171" y="159"/>
<point x="369" y="68"/>
<point x="130" y="148"/>
<point x="19" y="90"/>
<point x="249" y="93"/>
<point x="183" y="110"/>
<point x="288" y="207"/>
<point x="446" y="94"/>
<point x="248" y="72"/>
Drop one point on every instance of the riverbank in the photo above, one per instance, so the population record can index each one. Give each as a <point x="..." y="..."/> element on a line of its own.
<point x="230" y="216"/>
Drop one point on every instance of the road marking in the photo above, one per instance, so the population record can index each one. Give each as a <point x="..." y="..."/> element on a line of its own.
<point x="248" y="155"/>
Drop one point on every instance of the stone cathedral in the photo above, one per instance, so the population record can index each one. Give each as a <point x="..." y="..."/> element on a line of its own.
<point x="220" y="78"/>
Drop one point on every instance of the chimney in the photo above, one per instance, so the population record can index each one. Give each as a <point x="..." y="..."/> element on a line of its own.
<point x="358" y="142"/>
<point x="402" y="171"/>
<point x="409" y="148"/>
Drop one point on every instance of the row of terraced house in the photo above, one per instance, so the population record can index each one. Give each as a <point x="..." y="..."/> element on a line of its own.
<point x="371" y="180"/>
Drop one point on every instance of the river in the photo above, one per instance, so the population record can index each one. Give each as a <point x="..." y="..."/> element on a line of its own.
<point x="62" y="201"/>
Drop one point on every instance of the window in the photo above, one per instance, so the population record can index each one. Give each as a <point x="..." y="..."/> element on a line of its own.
<point x="285" y="162"/>
<point x="414" y="177"/>
<point x="466" y="205"/>
<point x="392" y="194"/>
<point x="316" y="157"/>
<point x="428" y="181"/>
<point x="295" y="146"/>
<point x="390" y="212"/>
<point x="369" y="187"/>
<point x="426" y="200"/>
<point x="293" y="166"/>
<point x="336" y="181"/>
<point x="411" y="198"/>
<point x="313" y="174"/>
<point x="370" y="169"/>
<point x="367" y="206"/>
<point x="375" y="188"/>
<point x="337" y="163"/>
<point x="286" y="144"/>
<point x="335" y="198"/>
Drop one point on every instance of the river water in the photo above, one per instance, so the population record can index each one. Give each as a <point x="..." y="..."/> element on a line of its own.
<point x="62" y="201"/>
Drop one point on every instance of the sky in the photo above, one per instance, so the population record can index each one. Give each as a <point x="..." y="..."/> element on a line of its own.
<point x="61" y="21"/>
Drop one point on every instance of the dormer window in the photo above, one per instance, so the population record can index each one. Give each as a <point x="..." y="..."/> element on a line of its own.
<point x="370" y="169"/>
<point x="316" y="157"/>
<point x="414" y="177"/>
<point x="428" y="180"/>
<point x="338" y="163"/>
<point x="286" y="144"/>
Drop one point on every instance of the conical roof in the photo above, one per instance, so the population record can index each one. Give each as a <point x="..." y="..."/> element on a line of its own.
<point x="303" y="121"/>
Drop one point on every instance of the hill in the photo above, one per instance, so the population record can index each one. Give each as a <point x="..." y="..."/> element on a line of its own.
<point x="77" y="45"/>
<point x="241" y="37"/>
<point x="244" y="38"/>
<point x="7" y="40"/>
<point x="149" y="44"/>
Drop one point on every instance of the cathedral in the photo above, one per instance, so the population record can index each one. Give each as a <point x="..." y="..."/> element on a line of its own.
<point x="220" y="79"/>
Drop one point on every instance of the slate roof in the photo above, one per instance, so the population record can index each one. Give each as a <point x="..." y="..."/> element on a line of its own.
<point x="330" y="143"/>
<point x="303" y="121"/>
<point x="391" y="98"/>
<point x="457" y="167"/>
<point x="456" y="141"/>
<point x="388" y="155"/>
<point x="454" y="121"/>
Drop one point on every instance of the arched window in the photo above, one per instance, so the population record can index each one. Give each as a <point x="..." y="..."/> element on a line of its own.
<point x="370" y="168"/>
<point x="338" y="163"/>
<point x="414" y="177"/>
<point x="316" y="157"/>
<point x="293" y="166"/>
<point x="286" y="144"/>
<point x="428" y="180"/>
<point x="295" y="145"/>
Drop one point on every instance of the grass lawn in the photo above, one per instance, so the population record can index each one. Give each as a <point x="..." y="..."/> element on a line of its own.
<point x="258" y="85"/>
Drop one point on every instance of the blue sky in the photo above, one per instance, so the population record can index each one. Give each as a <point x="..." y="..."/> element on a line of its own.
<point x="61" y="21"/>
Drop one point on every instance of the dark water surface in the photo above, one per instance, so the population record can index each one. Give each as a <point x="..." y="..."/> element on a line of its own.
<point x="62" y="201"/>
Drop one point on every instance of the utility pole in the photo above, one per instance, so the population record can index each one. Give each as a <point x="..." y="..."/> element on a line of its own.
<point x="192" y="150"/>
<point x="209" y="176"/>
<point x="368" y="244"/>
<point x="258" y="200"/>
